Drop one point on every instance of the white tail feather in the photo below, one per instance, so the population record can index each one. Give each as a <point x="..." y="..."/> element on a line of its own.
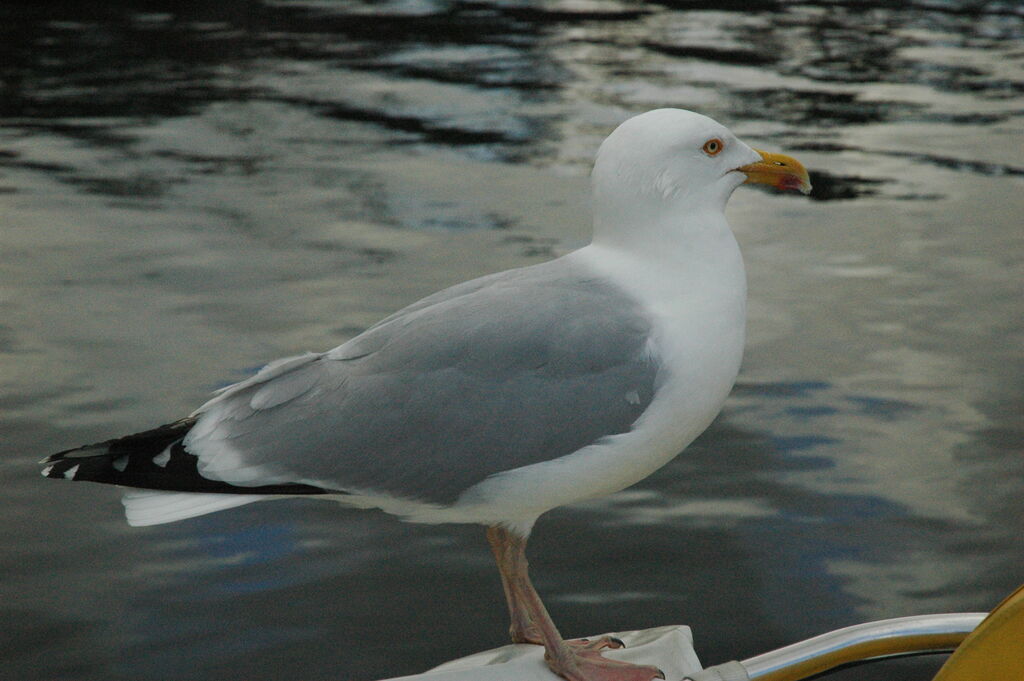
<point x="154" y="507"/>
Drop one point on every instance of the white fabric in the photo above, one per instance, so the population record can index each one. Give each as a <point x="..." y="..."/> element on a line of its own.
<point x="730" y="671"/>
<point x="668" y="648"/>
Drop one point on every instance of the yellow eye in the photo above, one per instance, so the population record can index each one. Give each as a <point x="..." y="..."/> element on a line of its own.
<point x="713" y="147"/>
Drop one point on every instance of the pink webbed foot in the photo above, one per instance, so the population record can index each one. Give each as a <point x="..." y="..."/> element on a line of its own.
<point x="596" y="643"/>
<point x="581" y="660"/>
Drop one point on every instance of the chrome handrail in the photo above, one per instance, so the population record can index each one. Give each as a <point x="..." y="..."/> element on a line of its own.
<point x="861" y="642"/>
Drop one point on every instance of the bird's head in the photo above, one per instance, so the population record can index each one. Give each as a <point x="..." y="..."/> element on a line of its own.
<point x="675" y="157"/>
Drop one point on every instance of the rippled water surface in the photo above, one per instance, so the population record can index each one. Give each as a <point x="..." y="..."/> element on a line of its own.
<point x="188" y="193"/>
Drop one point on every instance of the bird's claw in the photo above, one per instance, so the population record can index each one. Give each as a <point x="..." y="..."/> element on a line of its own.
<point x="581" y="660"/>
<point x="598" y="643"/>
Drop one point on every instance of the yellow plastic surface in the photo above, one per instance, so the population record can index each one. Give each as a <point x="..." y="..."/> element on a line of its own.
<point x="995" y="650"/>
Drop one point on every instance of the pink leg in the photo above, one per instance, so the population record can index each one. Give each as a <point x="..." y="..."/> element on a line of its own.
<point x="522" y="629"/>
<point x="576" y="660"/>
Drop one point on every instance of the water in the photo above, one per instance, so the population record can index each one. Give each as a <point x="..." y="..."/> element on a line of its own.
<point x="186" y="193"/>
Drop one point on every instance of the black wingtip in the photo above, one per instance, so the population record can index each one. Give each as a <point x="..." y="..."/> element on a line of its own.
<point x="97" y="449"/>
<point x="100" y="460"/>
<point x="152" y="459"/>
<point x="155" y="439"/>
<point x="62" y="468"/>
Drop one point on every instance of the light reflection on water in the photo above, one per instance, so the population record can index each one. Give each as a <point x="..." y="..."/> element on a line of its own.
<point x="186" y="194"/>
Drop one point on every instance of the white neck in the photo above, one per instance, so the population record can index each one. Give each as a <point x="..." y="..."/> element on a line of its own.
<point x="692" y="239"/>
<point x="661" y="218"/>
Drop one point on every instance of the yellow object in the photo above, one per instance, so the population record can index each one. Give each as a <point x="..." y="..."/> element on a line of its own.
<point x="774" y="170"/>
<point x="995" y="650"/>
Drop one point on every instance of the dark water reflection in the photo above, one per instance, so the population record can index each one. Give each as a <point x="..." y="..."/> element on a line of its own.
<point x="190" y="189"/>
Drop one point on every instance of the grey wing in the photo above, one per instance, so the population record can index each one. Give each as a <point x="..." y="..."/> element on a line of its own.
<point x="527" y="366"/>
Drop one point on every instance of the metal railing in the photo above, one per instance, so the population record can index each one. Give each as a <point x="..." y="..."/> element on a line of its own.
<point x="862" y="642"/>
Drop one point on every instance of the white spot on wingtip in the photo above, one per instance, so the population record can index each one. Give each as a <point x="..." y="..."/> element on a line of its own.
<point x="69" y="474"/>
<point x="46" y="471"/>
<point x="120" y="464"/>
<point x="633" y="397"/>
<point x="162" y="458"/>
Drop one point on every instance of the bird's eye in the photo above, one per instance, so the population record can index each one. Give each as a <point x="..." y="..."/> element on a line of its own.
<point x="713" y="147"/>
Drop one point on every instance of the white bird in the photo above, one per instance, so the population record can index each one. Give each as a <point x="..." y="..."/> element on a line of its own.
<point x="503" y="397"/>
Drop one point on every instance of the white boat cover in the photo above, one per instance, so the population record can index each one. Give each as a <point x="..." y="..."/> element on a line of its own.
<point x="668" y="648"/>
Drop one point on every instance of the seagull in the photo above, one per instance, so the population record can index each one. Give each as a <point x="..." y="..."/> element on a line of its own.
<point x="500" y="398"/>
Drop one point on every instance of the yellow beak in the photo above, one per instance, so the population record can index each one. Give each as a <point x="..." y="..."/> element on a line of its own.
<point x="779" y="171"/>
